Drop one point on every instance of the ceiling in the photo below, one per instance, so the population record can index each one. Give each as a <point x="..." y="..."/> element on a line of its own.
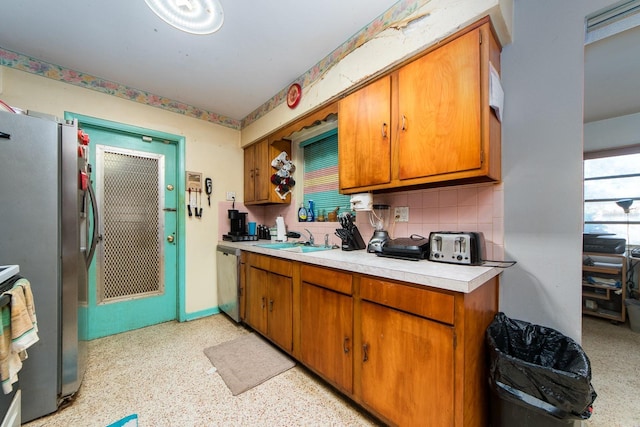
<point x="262" y="47"/>
<point x="612" y="76"/>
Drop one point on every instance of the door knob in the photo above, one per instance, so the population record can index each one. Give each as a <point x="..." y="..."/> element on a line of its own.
<point x="170" y="238"/>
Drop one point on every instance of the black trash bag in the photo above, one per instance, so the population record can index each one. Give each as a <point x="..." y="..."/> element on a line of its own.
<point x="540" y="368"/>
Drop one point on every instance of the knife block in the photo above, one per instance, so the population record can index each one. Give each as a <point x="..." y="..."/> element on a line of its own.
<point x="353" y="240"/>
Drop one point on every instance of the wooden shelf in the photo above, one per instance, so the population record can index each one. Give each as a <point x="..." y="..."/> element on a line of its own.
<point x="610" y="303"/>
<point x="607" y="314"/>
<point x="596" y="296"/>
<point x="604" y="270"/>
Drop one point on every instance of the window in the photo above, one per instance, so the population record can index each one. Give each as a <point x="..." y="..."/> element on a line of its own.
<point x="609" y="177"/>
<point x="321" y="173"/>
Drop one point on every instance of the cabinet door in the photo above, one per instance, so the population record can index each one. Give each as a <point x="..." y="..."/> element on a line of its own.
<point x="256" y="299"/>
<point x="249" y="174"/>
<point x="280" y="308"/>
<point x="364" y="136"/>
<point x="407" y="367"/>
<point x="439" y="110"/>
<point x="326" y="322"/>
<point x="256" y="172"/>
<point x="262" y="169"/>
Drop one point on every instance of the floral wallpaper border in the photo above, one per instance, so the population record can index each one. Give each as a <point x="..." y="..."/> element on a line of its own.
<point x="22" y="62"/>
<point x="31" y="65"/>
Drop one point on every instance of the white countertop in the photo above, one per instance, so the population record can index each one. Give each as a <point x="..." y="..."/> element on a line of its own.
<point x="460" y="278"/>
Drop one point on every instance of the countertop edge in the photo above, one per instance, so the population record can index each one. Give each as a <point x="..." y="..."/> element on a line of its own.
<point x="457" y="278"/>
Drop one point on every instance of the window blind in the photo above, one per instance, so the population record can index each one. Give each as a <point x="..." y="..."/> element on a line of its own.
<point x="321" y="173"/>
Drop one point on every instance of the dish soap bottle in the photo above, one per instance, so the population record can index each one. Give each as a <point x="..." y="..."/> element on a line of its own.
<point x="310" y="210"/>
<point x="302" y="213"/>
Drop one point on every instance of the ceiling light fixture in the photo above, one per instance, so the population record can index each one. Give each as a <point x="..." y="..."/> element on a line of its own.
<point x="191" y="16"/>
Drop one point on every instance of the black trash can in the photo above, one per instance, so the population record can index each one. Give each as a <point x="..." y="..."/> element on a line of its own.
<point x="538" y="376"/>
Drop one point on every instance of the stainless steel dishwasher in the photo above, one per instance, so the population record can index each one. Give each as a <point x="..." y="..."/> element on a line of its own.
<point x="228" y="267"/>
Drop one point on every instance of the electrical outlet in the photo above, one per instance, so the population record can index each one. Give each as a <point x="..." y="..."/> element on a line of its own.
<point x="402" y="214"/>
<point x="231" y="196"/>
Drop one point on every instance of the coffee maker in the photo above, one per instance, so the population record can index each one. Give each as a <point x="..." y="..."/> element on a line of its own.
<point x="238" y="231"/>
<point x="238" y="222"/>
<point x="379" y="219"/>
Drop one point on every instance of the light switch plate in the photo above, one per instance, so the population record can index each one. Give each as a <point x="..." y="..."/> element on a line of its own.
<point x="231" y="196"/>
<point x="402" y="214"/>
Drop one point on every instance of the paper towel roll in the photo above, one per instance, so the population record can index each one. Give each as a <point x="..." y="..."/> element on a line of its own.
<point x="361" y="202"/>
<point x="281" y="231"/>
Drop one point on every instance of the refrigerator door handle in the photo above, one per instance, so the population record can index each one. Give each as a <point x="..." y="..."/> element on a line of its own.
<point x="96" y="231"/>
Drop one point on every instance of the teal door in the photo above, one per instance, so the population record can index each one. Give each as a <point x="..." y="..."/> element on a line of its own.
<point x="133" y="281"/>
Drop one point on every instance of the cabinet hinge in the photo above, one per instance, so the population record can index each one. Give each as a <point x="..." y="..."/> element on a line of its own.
<point x="455" y="340"/>
<point x="480" y="36"/>
<point x="481" y="157"/>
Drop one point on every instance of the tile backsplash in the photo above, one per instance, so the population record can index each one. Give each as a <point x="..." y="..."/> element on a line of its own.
<point x="477" y="207"/>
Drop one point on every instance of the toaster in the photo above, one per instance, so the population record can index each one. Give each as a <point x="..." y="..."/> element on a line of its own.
<point x="457" y="247"/>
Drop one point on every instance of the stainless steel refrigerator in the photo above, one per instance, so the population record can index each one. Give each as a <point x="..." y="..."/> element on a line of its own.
<point x="44" y="217"/>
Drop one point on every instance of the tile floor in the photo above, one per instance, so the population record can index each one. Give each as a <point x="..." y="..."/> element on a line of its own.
<point x="162" y="374"/>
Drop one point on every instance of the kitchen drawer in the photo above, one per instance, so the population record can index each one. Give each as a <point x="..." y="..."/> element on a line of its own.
<point x="274" y="265"/>
<point x="330" y="279"/>
<point x="422" y="302"/>
<point x="281" y="267"/>
<point x="258" y="261"/>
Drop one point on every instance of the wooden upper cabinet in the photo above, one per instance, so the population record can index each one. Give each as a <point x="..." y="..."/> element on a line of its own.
<point x="439" y="107"/>
<point x="435" y="109"/>
<point x="364" y="136"/>
<point x="258" y="188"/>
<point x="262" y="171"/>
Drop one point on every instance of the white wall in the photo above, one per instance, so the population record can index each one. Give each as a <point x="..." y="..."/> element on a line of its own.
<point x="543" y="77"/>
<point x="211" y="149"/>
<point x="612" y="133"/>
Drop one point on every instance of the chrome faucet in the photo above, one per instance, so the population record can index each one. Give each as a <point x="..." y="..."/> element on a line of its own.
<point x="311" y="240"/>
<point x="326" y="240"/>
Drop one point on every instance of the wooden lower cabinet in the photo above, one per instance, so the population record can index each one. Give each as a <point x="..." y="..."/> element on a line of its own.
<point x="409" y="354"/>
<point x="407" y="367"/>
<point x="326" y="325"/>
<point x="269" y="301"/>
<point x="256" y="299"/>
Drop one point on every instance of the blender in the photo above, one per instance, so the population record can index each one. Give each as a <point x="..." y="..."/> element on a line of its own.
<point x="379" y="219"/>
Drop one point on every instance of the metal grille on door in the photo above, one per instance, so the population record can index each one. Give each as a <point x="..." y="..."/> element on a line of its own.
<point x="130" y="262"/>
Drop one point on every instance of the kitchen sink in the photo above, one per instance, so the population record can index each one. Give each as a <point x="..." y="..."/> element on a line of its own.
<point x="294" y="247"/>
